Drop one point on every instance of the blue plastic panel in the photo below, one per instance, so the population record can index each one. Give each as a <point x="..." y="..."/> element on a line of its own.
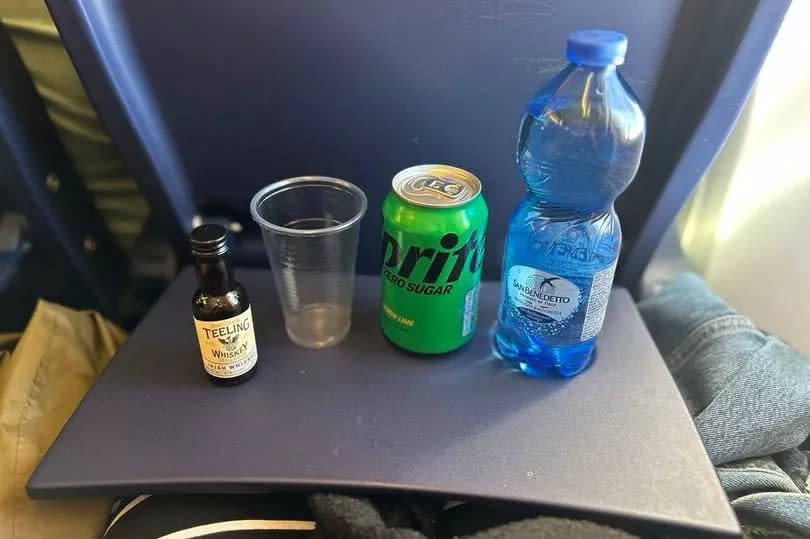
<point x="216" y="101"/>
<point x="209" y="104"/>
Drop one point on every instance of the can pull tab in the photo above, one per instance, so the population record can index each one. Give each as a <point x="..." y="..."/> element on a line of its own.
<point x="442" y="187"/>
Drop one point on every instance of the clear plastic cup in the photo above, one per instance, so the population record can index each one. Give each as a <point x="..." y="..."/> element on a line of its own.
<point x="310" y="227"/>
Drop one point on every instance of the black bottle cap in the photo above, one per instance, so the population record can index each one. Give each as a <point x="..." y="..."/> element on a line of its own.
<point x="209" y="241"/>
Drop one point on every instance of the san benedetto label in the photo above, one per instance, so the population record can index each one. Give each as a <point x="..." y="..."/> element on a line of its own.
<point x="228" y="347"/>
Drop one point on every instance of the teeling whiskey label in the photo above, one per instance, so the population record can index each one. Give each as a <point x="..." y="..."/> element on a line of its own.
<point x="228" y="347"/>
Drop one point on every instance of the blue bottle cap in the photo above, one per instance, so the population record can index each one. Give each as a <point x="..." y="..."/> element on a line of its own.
<point x="596" y="47"/>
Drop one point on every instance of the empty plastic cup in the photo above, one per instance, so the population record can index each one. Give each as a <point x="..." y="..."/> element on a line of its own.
<point x="310" y="227"/>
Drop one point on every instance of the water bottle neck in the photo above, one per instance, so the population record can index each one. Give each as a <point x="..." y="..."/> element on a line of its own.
<point x="593" y="78"/>
<point x="608" y="70"/>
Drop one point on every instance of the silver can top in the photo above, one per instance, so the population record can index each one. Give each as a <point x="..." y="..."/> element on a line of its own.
<point x="436" y="186"/>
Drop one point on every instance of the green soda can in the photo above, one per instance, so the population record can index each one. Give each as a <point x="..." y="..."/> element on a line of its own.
<point x="434" y="226"/>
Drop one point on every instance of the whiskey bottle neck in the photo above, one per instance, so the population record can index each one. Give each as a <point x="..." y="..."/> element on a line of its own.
<point x="215" y="275"/>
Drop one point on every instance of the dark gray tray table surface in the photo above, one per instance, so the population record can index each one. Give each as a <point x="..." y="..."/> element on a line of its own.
<point x="617" y="440"/>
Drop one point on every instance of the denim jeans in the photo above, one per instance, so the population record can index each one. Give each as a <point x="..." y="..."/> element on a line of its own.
<point x="749" y="395"/>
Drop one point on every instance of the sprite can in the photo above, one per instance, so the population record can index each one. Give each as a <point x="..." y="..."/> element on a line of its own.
<point x="434" y="225"/>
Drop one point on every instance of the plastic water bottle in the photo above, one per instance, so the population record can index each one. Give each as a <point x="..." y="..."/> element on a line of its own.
<point x="579" y="146"/>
